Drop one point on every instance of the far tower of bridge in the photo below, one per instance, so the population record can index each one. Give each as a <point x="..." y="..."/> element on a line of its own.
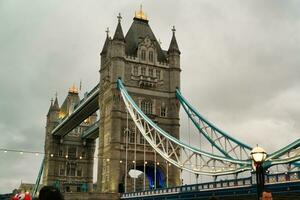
<point x="151" y="76"/>
<point x="68" y="162"/>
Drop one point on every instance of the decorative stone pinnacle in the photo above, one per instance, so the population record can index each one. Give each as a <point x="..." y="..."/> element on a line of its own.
<point x="107" y="31"/>
<point x="173" y="29"/>
<point x="119" y="17"/>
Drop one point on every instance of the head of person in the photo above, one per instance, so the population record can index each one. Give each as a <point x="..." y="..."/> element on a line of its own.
<point x="50" y="193"/>
<point x="266" y="195"/>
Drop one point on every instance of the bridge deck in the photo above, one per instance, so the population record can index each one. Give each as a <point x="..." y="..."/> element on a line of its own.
<point x="85" y="108"/>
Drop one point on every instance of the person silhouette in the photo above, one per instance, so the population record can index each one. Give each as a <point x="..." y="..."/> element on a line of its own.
<point x="50" y="193"/>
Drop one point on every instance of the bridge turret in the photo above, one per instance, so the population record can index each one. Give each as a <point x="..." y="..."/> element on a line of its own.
<point x="53" y="113"/>
<point x="117" y="52"/>
<point x="105" y="50"/>
<point x="174" y="62"/>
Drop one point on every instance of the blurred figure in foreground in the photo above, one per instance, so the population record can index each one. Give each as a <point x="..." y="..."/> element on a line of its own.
<point x="50" y="193"/>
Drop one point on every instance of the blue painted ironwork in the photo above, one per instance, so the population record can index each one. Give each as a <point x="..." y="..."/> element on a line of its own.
<point x="150" y="131"/>
<point x="38" y="179"/>
<point x="288" y="154"/>
<point x="206" y="128"/>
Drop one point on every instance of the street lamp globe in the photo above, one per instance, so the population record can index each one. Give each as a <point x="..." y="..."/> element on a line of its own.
<point x="258" y="154"/>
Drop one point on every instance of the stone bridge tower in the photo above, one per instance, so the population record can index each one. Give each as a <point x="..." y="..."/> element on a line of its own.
<point x="151" y="76"/>
<point x="68" y="163"/>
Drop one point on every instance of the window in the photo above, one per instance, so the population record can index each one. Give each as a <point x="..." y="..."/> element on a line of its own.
<point x="143" y="55"/>
<point x="135" y="70"/>
<point x="163" y="112"/>
<point x="72" y="152"/>
<point x="151" y="72"/>
<point x="131" y="137"/>
<point x="62" y="171"/>
<point x="142" y="140"/>
<point x="143" y="71"/>
<point x="150" y="56"/>
<point x="71" y="169"/>
<point x="79" y="172"/>
<point x="146" y="107"/>
<point x="158" y="74"/>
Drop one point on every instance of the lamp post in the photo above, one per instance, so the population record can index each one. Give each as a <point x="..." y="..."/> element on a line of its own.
<point x="258" y="156"/>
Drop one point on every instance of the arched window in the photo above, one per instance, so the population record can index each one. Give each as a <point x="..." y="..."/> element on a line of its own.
<point x="158" y="74"/>
<point x="150" y="56"/>
<point x="163" y="111"/>
<point x="150" y="72"/>
<point x="143" y="55"/>
<point x="135" y="70"/>
<point x="146" y="107"/>
<point x="143" y="71"/>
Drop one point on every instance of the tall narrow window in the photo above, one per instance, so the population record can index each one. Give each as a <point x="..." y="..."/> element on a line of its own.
<point x="150" y="56"/>
<point x="142" y="140"/>
<point x="72" y="152"/>
<point x="62" y="171"/>
<point x="150" y="72"/>
<point x="131" y="137"/>
<point x="146" y="107"/>
<point x="163" y="111"/>
<point x="79" y="172"/>
<point x="143" y="70"/>
<point x="158" y="74"/>
<point x="143" y="55"/>
<point x="135" y="70"/>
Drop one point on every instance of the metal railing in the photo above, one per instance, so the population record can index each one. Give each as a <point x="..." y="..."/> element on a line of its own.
<point x="233" y="183"/>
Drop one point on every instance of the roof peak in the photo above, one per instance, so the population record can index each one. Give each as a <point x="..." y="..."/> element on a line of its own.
<point x="119" y="32"/>
<point x="140" y="14"/>
<point x="173" y="45"/>
<point x="73" y="89"/>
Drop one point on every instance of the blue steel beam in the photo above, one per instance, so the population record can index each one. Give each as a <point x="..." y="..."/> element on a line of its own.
<point x="245" y="164"/>
<point x="223" y="142"/>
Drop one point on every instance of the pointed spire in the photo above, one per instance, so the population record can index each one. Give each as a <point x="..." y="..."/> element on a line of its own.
<point x="105" y="46"/>
<point x="51" y="106"/>
<point x="173" y="45"/>
<point x="119" y="32"/>
<point x="55" y="105"/>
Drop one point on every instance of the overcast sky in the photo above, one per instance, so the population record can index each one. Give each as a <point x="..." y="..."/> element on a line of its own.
<point x="240" y="66"/>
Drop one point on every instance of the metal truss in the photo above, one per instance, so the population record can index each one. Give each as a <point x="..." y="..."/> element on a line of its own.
<point x="287" y="155"/>
<point x="178" y="153"/>
<point x="221" y="141"/>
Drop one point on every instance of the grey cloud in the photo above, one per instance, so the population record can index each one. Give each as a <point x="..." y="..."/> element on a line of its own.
<point x="239" y="59"/>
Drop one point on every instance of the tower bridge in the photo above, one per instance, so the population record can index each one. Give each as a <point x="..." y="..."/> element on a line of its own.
<point x="134" y="112"/>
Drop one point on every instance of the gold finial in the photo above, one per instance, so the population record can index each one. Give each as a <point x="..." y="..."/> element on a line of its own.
<point x="73" y="89"/>
<point x="140" y="14"/>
